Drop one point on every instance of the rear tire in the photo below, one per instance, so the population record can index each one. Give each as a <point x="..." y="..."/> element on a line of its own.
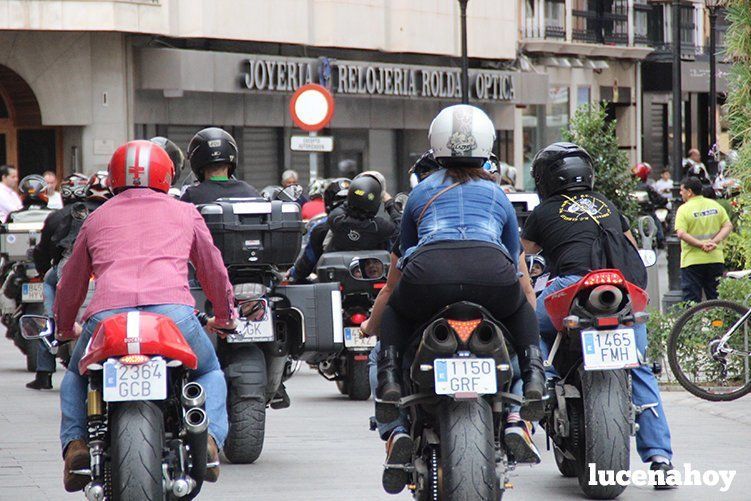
<point x="468" y="452"/>
<point x="607" y="428"/>
<point x="137" y="431"/>
<point x="358" y="379"/>
<point x="247" y="428"/>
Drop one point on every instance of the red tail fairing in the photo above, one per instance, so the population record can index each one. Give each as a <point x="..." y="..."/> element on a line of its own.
<point x="559" y="303"/>
<point x="137" y="333"/>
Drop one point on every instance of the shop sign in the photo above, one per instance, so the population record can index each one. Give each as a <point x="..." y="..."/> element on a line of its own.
<point x="374" y="79"/>
<point x="319" y="144"/>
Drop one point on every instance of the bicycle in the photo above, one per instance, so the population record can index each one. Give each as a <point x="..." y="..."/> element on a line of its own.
<point x="708" y="348"/>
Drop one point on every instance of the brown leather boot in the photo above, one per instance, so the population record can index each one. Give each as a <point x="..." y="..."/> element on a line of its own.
<point x="212" y="451"/>
<point x="76" y="458"/>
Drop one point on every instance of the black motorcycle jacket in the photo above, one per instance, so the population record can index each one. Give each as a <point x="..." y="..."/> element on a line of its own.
<point x="59" y="234"/>
<point x="350" y="230"/>
<point x="211" y="191"/>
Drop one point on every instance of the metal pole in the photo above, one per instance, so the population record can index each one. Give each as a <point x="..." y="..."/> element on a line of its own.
<point x="313" y="172"/>
<point x="465" y="63"/>
<point x="677" y="99"/>
<point x="712" y="82"/>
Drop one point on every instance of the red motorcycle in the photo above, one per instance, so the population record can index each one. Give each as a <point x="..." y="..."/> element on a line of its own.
<point x="589" y="412"/>
<point x="146" y="422"/>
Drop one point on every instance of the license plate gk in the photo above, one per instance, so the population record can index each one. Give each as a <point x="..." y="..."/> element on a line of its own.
<point x="123" y="383"/>
<point x="354" y="340"/>
<point x="254" y="331"/>
<point x="465" y="375"/>
<point x="608" y="350"/>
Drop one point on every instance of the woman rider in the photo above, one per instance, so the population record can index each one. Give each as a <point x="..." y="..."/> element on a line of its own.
<point x="460" y="242"/>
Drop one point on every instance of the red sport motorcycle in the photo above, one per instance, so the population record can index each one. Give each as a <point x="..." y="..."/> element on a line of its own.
<point x="589" y="412"/>
<point x="146" y="422"/>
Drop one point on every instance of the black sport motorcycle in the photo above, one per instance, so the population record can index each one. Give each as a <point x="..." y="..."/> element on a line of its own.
<point x="457" y="391"/>
<point x="361" y="275"/>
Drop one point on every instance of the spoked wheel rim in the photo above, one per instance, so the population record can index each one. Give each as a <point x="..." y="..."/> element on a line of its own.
<point x="697" y="359"/>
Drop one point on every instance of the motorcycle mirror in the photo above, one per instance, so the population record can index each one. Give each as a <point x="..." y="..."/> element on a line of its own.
<point x="291" y="193"/>
<point x="253" y="310"/>
<point x="648" y="257"/>
<point x="36" y="326"/>
<point x="367" y="269"/>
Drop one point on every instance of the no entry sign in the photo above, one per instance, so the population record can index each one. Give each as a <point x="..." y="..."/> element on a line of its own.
<point x="311" y="107"/>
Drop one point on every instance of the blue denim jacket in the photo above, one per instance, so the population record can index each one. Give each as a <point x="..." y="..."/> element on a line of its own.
<point x="477" y="210"/>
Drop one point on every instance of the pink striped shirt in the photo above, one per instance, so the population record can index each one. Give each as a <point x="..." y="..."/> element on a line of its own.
<point x="137" y="245"/>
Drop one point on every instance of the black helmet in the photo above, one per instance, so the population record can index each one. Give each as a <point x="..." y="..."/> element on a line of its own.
<point x="562" y="167"/>
<point x="335" y="193"/>
<point x="98" y="188"/>
<point x="33" y="190"/>
<point x="174" y="152"/>
<point x="364" y="196"/>
<point x="347" y="168"/>
<point x="212" y="146"/>
<point x="424" y="166"/>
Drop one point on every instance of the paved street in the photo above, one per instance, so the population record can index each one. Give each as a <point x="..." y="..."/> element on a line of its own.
<point x="321" y="449"/>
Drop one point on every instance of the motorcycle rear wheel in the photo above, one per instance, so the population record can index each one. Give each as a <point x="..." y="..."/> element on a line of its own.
<point x="247" y="429"/>
<point x="137" y="431"/>
<point x="468" y="452"/>
<point x="358" y="380"/>
<point x="607" y="428"/>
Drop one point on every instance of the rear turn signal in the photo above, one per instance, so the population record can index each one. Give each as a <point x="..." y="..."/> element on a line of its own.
<point x="571" y="322"/>
<point x="464" y="329"/>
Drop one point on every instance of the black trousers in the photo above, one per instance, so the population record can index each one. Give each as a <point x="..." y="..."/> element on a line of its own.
<point x="701" y="278"/>
<point x="445" y="273"/>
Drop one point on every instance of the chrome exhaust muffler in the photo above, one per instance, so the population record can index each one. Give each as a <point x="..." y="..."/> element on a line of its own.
<point x="196" y="421"/>
<point x="193" y="396"/>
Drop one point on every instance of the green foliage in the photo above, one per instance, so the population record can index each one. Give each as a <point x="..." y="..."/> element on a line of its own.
<point x="590" y="129"/>
<point x="735" y="290"/>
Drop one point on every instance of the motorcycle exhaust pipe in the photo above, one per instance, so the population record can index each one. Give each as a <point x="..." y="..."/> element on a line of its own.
<point x="604" y="299"/>
<point x="439" y="338"/>
<point x="196" y="421"/>
<point x="193" y="396"/>
<point x="327" y="367"/>
<point x="485" y="340"/>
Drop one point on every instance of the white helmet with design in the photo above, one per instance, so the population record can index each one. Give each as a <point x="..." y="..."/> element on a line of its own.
<point x="462" y="136"/>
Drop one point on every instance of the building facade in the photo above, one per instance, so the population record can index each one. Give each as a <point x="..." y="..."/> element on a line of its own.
<point x="78" y="78"/>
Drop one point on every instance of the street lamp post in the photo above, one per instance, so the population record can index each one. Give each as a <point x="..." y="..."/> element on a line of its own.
<point x="465" y="63"/>
<point x="713" y="5"/>
<point x="677" y="95"/>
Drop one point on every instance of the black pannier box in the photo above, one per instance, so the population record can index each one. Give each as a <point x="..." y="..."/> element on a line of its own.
<point x="335" y="267"/>
<point x="253" y="231"/>
<point x="321" y="308"/>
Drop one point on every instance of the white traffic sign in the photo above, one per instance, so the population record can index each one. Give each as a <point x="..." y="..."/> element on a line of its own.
<point x="318" y="144"/>
<point x="311" y="107"/>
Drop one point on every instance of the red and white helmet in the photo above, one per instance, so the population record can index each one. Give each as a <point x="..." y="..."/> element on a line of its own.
<point x="141" y="164"/>
<point x="642" y="171"/>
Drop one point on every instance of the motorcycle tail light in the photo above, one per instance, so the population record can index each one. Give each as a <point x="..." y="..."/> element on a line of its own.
<point x="379" y="285"/>
<point x="134" y="359"/>
<point x="603" y="278"/>
<point x="357" y="318"/>
<point x="464" y="328"/>
<point x="571" y="322"/>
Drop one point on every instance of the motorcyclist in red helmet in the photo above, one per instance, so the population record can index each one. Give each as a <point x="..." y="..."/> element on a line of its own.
<point x="138" y="245"/>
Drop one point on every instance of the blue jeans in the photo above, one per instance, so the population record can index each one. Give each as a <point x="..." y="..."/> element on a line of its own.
<point x="653" y="437"/>
<point x="208" y="373"/>
<point x="45" y="359"/>
<point x="384" y="429"/>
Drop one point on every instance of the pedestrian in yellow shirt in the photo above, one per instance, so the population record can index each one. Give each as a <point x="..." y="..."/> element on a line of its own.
<point x="701" y="224"/>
